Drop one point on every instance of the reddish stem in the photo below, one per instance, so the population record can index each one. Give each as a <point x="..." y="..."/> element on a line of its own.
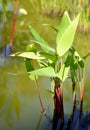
<point x="5" y="33"/>
<point x="38" y="93"/>
<point x="81" y="94"/>
<point x="74" y="94"/>
<point x="14" y="22"/>
<point x="58" y="108"/>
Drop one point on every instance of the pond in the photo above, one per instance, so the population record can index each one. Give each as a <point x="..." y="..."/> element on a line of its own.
<point x="19" y="104"/>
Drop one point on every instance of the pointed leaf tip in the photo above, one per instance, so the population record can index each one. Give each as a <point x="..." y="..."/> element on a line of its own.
<point x="67" y="37"/>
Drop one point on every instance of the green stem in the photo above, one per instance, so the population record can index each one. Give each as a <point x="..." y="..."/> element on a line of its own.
<point x="39" y="121"/>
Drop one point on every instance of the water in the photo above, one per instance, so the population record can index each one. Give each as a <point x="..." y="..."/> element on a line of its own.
<point x="19" y="104"/>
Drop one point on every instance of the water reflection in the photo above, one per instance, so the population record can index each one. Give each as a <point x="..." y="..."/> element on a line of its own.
<point x="4" y="55"/>
<point x="19" y="105"/>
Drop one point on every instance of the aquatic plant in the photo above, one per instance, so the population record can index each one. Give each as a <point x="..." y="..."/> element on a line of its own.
<point x="53" y="9"/>
<point x="53" y="63"/>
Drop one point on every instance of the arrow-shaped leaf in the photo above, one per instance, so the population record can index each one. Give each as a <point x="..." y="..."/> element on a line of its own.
<point x="66" y="39"/>
<point x="39" y="40"/>
<point x="29" y="55"/>
<point x="47" y="71"/>
<point x="65" y="22"/>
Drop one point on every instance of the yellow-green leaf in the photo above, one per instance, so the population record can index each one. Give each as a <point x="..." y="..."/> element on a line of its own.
<point x="66" y="39"/>
<point x="47" y="71"/>
<point x="29" y="55"/>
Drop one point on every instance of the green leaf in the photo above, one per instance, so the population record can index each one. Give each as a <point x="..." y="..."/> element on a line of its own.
<point x="49" y="56"/>
<point x="28" y="64"/>
<point x="88" y="54"/>
<point x="29" y="55"/>
<point x="73" y="73"/>
<point x="44" y="47"/>
<point x="70" y="61"/>
<point x="42" y="64"/>
<point x="65" y="22"/>
<point x="29" y="68"/>
<point x="47" y="71"/>
<point x="4" y="3"/>
<point x="66" y="39"/>
<point x="63" y="73"/>
<point x="81" y="63"/>
<point x="33" y="77"/>
<point x="31" y="48"/>
<point x="39" y="40"/>
<point x="55" y="29"/>
<point x="74" y="64"/>
<point x="79" y="59"/>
